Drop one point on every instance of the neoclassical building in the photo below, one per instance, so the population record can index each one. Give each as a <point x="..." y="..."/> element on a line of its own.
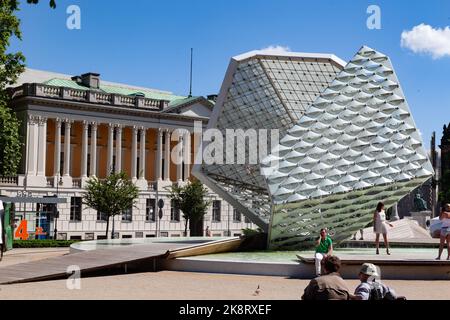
<point x="78" y="127"/>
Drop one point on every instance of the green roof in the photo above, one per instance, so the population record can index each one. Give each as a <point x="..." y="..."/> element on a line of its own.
<point x="179" y="102"/>
<point x="115" y="89"/>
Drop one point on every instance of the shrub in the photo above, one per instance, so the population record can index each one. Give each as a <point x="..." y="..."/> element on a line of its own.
<point x="43" y="243"/>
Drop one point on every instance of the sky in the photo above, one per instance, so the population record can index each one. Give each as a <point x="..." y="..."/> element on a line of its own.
<point x="147" y="42"/>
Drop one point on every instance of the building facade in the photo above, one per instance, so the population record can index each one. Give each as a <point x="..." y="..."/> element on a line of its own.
<point x="74" y="128"/>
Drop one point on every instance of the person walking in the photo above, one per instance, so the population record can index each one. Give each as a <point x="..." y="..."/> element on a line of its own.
<point x="445" y="231"/>
<point x="207" y="232"/>
<point x="324" y="248"/>
<point x="330" y="286"/>
<point x="380" y="227"/>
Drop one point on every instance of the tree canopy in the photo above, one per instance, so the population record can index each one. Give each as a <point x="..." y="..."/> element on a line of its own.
<point x="110" y="196"/>
<point x="52" y="3"/>
<point x="11" y="66"/>
<point x="190" y="199"/>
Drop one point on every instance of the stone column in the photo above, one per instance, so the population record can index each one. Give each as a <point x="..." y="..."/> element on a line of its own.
<point x="93" y="168"/>
<point x="167" y="156"/>
<point x="134" y="154"/>
<point x="118" y="148"/>
<point x="32" y="145"/>
<point x="67" y="179"/>
<point x="159" y="154"/>
<point x="57" y="155"/>
<point x="142" y="182"/>
<point x="187" y="156"/>
<point x="84" y="149"/>
<point x="179" y="156"/>
<point x="42" y="148"/>
<point x="35" y="176"/>
<point x="110" y="148"/>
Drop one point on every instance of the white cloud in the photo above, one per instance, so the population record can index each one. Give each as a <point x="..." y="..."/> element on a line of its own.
<point x="276" y="49"/>
<point x="428" y="40"/>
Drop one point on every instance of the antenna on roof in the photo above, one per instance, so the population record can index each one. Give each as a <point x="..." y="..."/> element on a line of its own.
<point x="190" y="83"/>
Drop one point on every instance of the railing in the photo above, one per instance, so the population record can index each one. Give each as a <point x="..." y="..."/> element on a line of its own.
<point x="150" y="103"/>
<point x="77" y="94"/>
<point x="50" y="181"/>
<point x="42" y="90"/>
<point x="125" y="100"/>
<point x="76" y="183"/>
<point x="9" y="181"/>
<point x="103" y="98"/>
<point x="48" y="91"/>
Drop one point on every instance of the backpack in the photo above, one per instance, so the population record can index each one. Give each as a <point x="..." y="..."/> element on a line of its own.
<point x="376" y="291"/>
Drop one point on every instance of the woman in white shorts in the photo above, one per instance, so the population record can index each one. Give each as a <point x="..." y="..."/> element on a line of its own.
<point x="445" y="231"/>
<point x="380" y="227"/>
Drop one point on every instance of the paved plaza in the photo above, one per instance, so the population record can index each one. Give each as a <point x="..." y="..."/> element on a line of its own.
<point x="198" y="286"/>
<point x="184" y="285"/>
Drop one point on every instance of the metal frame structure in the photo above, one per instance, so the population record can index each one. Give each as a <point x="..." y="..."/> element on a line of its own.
<point x="354" y="143"/>
<point x="262" y="90"/>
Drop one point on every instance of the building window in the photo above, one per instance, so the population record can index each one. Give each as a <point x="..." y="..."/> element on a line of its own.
<point x="150" y="211"/>
<point x="62" y="236"/>
<point x="61" y="163"/>
<point x="127" y="215"/>
<point x="89" y="236"/>
<point x="88" y="168"/>
<point x="101" y="216"/>
<point x="183" y="174"/>
<point x="216" y="210"/>
<point x="247" y="220"/>
<point x="174" y="212"/>
<point x="75" y="209"/>
<point x="164" y="234"/>
<point x="138" y="166"/>
<point x="237" y="216"/>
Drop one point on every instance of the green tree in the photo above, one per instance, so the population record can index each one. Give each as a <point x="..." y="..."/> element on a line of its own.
<point x="444" y="187"/>
<point x="190" y="199"/>
<point x="11" y="66"/>
<point x="52" y="3"/>
<point x="110" y="196"/>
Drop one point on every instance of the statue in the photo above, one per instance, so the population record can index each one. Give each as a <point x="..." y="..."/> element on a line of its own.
<point x="419" y="203"/>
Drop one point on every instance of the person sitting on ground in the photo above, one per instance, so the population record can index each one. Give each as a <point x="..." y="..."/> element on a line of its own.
<point x="370" y="289"/>
<point x="324" y="248"/>
<point x="330" y="286"/>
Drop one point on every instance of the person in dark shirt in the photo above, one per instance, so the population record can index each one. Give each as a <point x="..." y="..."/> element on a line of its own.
<point x="330" y="286"/>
